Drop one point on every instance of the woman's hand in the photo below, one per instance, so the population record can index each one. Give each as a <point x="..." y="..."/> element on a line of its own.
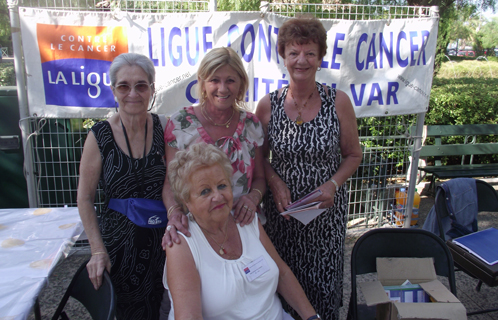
<point x="281" y="193"/>
<point x="96" y="266"/>
<point x="177" y="222"/>
<point x="328" y="193"/>
<point x="244" y="209"/>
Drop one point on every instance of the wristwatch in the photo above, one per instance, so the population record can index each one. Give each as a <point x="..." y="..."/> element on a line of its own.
<point x="316" y="316"/>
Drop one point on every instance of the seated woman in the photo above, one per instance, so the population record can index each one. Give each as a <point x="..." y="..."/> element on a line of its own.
<point x="223" y="271"/>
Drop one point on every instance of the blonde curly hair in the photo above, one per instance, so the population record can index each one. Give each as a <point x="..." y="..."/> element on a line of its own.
<point x="186" y="162"/>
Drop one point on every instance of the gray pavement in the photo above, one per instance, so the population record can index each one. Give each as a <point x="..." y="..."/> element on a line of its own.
<point x="472" y="299"/>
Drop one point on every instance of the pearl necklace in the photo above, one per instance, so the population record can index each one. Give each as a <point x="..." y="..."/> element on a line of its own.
<point x="226" y="124"/>
<point x="299" y="120"/>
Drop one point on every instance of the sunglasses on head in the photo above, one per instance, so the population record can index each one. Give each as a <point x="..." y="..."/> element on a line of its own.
<point x="139" y="87"/>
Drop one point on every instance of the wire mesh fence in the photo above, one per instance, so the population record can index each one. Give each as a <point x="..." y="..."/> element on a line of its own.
<point x="131" y="6"/>
<point x="58" y="143"/>
<point x="57" y="148"/>
<point x="349" y="11"/>
<point x="385" y="144"/>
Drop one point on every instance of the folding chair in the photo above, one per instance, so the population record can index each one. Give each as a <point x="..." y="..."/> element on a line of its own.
<point x="396" y="243"/>
<point x="487" y="197"/>
<point x="487" y="200"/>
<point x="99" y="303"/>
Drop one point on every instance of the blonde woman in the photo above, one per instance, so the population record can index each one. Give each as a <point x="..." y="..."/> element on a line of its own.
<point x="219" y="119"/>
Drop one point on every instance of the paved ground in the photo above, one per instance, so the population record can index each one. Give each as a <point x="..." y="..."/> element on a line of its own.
<point x="473" y="300"/>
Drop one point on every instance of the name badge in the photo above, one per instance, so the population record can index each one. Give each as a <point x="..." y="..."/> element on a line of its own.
<point x="256" y="268"/>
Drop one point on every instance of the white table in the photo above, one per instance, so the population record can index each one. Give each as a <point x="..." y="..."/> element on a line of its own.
<point x="31" y="243"/>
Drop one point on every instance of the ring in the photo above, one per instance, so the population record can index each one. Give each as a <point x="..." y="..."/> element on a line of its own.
<point x="246" y="207"/>
<point x="168" y="228"/>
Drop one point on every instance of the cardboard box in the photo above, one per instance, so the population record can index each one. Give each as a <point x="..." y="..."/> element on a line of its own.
<point x="394" y="272"/>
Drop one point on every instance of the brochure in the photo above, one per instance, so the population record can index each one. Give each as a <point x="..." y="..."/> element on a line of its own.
<point x="299" y="203"/>
<point x="306" y="213"/>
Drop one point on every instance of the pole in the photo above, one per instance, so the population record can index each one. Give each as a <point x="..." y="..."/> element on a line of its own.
<point x="22" y="97"/>
<point x="212" y="5"/>
<point x="417" y="145"/>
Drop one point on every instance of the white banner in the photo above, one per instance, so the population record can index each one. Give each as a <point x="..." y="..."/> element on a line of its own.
<point x="384" y="66"/>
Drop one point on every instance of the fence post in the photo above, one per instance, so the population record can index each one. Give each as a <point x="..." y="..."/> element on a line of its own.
<point x="212" y="5"/>
<point x="417" y="145"/>
<point x="23" y="102"/>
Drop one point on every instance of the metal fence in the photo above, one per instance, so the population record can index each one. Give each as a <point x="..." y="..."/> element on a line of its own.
<point x="132" y="6"/>
<point x="350" y="11"/>
<point x="57" y="143"/>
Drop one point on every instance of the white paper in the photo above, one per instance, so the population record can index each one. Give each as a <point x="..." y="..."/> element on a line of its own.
<point x="307" y="214"/>
<point x="306" y="199"/>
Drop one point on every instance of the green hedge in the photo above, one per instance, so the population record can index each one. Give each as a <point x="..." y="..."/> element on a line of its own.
<point x="467" y="101"/>
<point x="7" y="74"/>
<point x="464" y="101"/>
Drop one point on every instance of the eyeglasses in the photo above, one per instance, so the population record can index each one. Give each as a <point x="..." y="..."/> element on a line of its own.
<point x="139" y="87"/>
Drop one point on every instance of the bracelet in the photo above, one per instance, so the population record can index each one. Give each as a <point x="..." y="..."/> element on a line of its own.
<point x="335" y="183"/>
<point x="260" y="194"/>
<point x="172" y="209"/>
<point x="98" y="252"/>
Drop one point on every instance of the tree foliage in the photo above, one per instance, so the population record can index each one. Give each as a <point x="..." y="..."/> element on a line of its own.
<point x="463" y="24"/>
<point x="238" y="5"/>
<point x="488" y="34"/>
<point x="448" y="12"/>
<point x="5" y="36"/>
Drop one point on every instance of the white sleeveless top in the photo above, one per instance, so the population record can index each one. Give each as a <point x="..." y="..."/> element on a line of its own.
<point x="226" y="292"/>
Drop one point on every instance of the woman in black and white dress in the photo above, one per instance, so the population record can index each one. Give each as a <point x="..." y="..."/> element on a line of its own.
<point x="311" y="132"/>
<point x="126" y="154"/>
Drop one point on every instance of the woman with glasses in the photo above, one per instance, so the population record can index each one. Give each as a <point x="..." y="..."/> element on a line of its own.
<point x="125" y="154"/>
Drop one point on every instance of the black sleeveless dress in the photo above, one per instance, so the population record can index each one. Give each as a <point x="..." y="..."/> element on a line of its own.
<point x="305" y="157"/>
<point x="136" y="254"/>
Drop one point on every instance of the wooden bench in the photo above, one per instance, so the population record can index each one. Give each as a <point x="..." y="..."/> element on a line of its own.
<point x="471" y="148"/>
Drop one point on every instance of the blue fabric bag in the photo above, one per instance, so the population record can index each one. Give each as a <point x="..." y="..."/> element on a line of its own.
<point x="147" y="213"/>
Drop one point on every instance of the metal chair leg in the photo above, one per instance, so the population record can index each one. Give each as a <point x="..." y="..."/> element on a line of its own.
<point x="36" y="310"/>
<point x="482" y="311"/>
<point x="479" y="285"/>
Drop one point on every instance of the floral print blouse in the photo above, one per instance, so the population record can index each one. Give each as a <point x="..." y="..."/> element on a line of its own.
<point x="184" y="128"/>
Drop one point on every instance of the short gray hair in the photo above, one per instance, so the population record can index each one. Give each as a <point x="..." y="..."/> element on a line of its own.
<point x="132" y="59"/>
<point x="186" y="162"/>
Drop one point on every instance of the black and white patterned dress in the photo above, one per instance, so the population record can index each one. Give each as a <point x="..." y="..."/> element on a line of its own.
<point x="305" y="157"/>
<point x="136" y="254"/>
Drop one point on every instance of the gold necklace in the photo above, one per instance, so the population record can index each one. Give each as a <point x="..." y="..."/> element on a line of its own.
<point x="222" y="250"/>
<point x="226" y="124"/>
<point x="299" y="120"/>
